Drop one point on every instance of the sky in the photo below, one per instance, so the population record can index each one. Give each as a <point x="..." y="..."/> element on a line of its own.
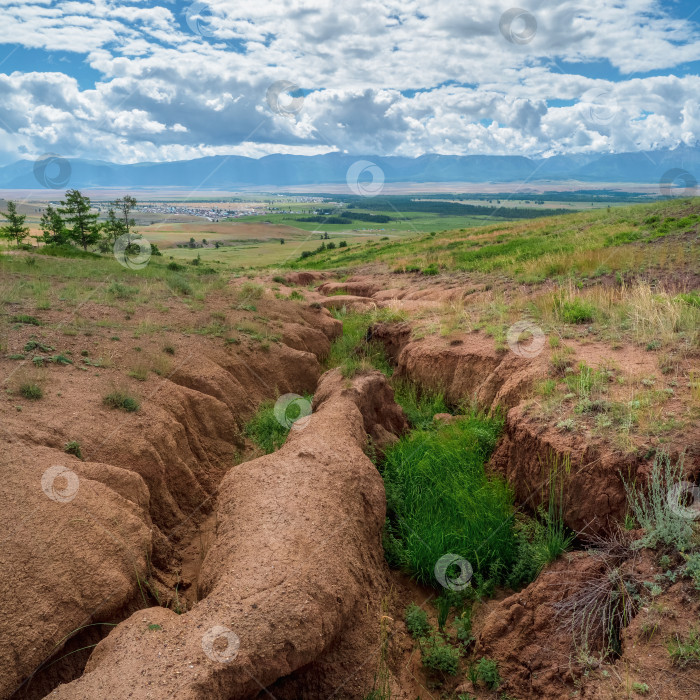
<point x="156" y="80"/>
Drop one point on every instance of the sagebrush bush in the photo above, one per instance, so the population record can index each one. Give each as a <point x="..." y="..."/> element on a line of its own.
<point x="654" y="509"/>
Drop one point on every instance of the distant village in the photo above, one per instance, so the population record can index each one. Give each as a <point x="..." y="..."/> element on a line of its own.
<point x="218" y="213"/>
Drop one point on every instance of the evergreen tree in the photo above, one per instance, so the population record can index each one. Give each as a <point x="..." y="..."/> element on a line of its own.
<point x="83" y="222"/>
<point x="112" y="229"/>
<point x="53" y="228"/>
<point x="15" y="230"/>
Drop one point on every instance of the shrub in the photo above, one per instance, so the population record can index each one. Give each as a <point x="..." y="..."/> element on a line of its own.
<point x="437" y="655"/>
<point x="577" y="311"/>
<point x="180" y="285"/>
<point x="121" y="291"/>
<point x="692" y="568"/>
<point x="416" y="621"/>
<point x="175" y="267"/>
<point x="73" y="448"/>
<point x="121" y="400"/>
<point x="250" y="291"/>
<point x="431" y="270"/>
<point x="31" y="391"/>
<point x="654" y="509"/>
<point x="487" y="671"/>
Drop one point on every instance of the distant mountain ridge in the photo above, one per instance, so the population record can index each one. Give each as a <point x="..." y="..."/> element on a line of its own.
<point x="231" y="172"/>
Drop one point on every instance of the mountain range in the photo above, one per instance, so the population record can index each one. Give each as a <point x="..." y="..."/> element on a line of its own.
<point x="232" y="172"/>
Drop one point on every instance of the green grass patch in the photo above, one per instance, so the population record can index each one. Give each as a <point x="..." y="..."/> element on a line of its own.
<point x="265" y="430"/>
<point x="441" y="501"/>
<point x="352" y="352"/>
<point x="27" y="320"/>
<point x="419" y="405"/>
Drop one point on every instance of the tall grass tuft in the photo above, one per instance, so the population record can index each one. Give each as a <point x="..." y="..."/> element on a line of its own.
<point x="419" y="405"/>
<point x="352" y="352"/>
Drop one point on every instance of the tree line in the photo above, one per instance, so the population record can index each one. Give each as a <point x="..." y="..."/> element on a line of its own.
<point x="75" y="223"/>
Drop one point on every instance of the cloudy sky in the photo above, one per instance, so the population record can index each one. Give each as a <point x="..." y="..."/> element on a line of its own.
<point x="144" y="80"/>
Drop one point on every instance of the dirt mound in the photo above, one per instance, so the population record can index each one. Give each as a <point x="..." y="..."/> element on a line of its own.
<point x="304" y="278"/>
<point x="592" y="474"/>
<point x="74" y="533"/>
<point x="349" y="302"/>
<point x="149" y="477"/>
<point x="530" y="636"/>
<point x="359" y="289"/>
<point x="467" y="367"/>
<point x="295" y="568"/>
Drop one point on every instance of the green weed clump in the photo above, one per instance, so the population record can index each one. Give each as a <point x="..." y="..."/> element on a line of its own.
<point x="441" y="501"/>
<point x="487" y="671"/>
<point x="577" y="311"/>
<point x="73" y="448"/>
<point x="31" y="391"/>
<point x="266" y="431"/>
<point x="27" y="320"/>
<point x="437" y="655"/>
<point x="416" y="621"/>
<point x="122" y="401"/>
<point x="685" y="652"/>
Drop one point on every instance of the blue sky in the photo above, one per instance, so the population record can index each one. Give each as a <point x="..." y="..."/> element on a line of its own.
<point x="139" y="80"/>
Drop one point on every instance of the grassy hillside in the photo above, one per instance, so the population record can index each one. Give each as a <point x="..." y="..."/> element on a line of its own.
<point x="585" y="243"/>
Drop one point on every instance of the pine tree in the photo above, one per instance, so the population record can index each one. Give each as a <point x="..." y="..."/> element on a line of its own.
<point x="53" y="228"/>
<point x="112" y="229"/>
<point x="78" y="213"/>
<point x="15" y="229"/>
